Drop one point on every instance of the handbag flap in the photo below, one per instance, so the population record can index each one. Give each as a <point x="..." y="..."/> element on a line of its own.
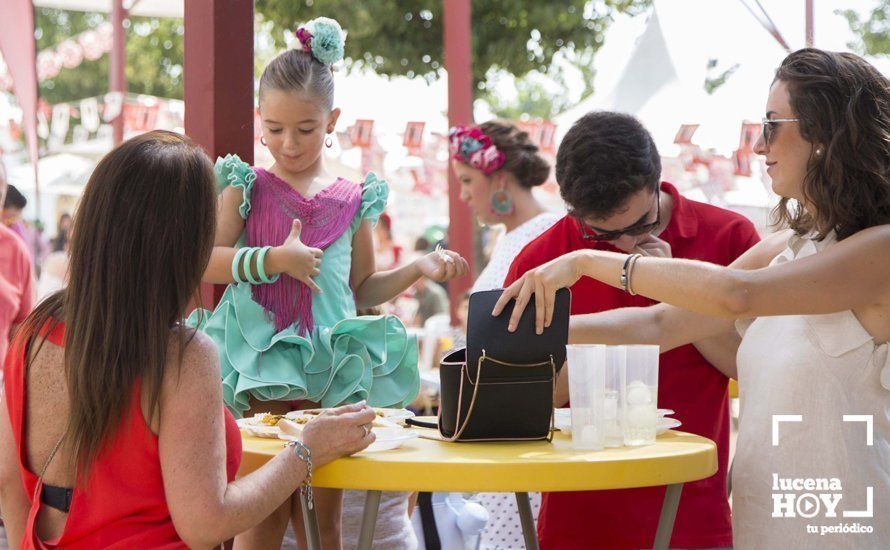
<point x="524" y="346"/>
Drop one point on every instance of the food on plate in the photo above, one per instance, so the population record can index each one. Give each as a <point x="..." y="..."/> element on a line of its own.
<point x="272" y="425"/>
<point x="270" y="419"/>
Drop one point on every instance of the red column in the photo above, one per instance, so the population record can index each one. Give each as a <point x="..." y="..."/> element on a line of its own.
<point x="117" y="64"/>
<point x="219" y="103"/>
<point x="458" y="64"/>
<point x="18" y="49"/>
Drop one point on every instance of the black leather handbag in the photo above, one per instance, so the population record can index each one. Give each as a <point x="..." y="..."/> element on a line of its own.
<point x="500" y="388"/>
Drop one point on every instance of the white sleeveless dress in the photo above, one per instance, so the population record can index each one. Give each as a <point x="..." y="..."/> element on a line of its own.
<point x="821" y="367"/>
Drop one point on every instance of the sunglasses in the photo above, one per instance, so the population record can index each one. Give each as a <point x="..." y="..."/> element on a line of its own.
<point x="599" y="235"/>
<point x="768" y="127"/>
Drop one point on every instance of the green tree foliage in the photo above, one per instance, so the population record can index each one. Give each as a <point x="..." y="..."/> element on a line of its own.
<point x="154" y="56"/>
<point x="874" y="32"/>
<point x="404" y="37"/>
<point x="543" y="95"/>
<point x="717" y="76"/>
<point x="513" y="36"/>
<point x="533" y="99"/>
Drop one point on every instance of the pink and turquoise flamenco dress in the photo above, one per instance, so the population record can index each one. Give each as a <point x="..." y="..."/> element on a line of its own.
<point x="281" y="342"/>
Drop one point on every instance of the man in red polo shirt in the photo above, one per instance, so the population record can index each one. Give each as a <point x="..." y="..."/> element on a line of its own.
<point x="608" y="170"/>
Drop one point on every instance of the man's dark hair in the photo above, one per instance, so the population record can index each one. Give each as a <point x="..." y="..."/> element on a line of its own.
<point x="14" y="198"/>
<point x="604" y="159"/>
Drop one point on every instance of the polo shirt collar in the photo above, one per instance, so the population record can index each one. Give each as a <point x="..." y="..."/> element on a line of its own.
<point x="684" y="222"/>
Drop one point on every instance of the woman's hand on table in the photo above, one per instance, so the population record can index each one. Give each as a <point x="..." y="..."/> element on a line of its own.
<point x="339" y="432"/>
<point x="542" y="284"/>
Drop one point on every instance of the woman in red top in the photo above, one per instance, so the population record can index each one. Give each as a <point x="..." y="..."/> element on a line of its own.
<point x="116" y="435"/>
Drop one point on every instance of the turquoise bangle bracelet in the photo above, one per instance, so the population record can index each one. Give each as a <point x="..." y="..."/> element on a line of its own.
<point x="261" y="266"/>
<point x="246" y="262"/>
<point x="236" y="262"/>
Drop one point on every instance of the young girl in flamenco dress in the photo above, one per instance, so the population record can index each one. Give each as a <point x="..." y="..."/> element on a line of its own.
<point x="295" y="245"/>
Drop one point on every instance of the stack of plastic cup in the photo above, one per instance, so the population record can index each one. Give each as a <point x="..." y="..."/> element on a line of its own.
<point x="586" y="364"/>
<point x="641" y="395"/>
<point x="614" y="397"/>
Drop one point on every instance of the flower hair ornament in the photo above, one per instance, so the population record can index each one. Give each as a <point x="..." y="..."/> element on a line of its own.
<point x="470" y="146"/>
<point x="323" y="39"/>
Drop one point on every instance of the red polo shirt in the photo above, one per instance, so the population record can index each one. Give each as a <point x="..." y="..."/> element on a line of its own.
<point x="687" y="383"/>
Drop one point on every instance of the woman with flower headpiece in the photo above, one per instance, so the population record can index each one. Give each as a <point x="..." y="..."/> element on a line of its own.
<point x="295" y="245"/>
<point x="497" y="166"/>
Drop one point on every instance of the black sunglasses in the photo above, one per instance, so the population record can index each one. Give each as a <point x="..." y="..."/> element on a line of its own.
<point x="599" y="235"/>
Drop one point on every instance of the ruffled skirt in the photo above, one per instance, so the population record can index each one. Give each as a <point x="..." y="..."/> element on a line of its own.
<point x="371" y="358"/>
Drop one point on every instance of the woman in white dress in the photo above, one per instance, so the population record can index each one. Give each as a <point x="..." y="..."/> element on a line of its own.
<point x="812" y="304"/>
<point x="497" y="166"/>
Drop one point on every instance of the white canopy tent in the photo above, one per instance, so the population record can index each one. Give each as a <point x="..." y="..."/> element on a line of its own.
<point x="66" y="173"/>
<point x="662" y="81"/>
<point x="62" y="177"/>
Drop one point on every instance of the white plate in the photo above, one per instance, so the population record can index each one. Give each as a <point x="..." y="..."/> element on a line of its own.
<point x="568" y="412"/>
<point x="665" y="424"/>
<point x="393" y="415"/>
<point x="389" y="439"/>
<point x="563" y="421"/>
<point x="252" y="426"/>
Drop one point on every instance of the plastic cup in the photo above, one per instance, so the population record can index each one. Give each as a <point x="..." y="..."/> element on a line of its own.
<point x="586" y="364"/>
<point x="614" y="402"/>
<point x="641" y="395"/>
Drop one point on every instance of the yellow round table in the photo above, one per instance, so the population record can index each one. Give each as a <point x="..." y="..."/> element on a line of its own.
<point x="517" y="467"/>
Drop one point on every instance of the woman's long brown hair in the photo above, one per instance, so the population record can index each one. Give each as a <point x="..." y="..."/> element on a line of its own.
<point x="141" y="239"/>
<point x="843" y="104"/>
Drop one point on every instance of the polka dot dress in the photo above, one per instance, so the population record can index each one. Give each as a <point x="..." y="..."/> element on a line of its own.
<point x="508" y="247"/>
<point x="504" y="530"/>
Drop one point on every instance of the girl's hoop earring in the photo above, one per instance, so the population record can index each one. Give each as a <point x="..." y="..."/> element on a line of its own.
<point x="328" y="142"/>
<point x="263" y="140"/>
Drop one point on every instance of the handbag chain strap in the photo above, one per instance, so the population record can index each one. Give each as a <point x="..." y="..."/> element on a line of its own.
<point x="460" y="394"/>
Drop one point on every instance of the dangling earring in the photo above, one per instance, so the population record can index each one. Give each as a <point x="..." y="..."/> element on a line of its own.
<point x="328" y="142"/>
<point x="501" y="203"/>
<point x="263" y="140"/>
